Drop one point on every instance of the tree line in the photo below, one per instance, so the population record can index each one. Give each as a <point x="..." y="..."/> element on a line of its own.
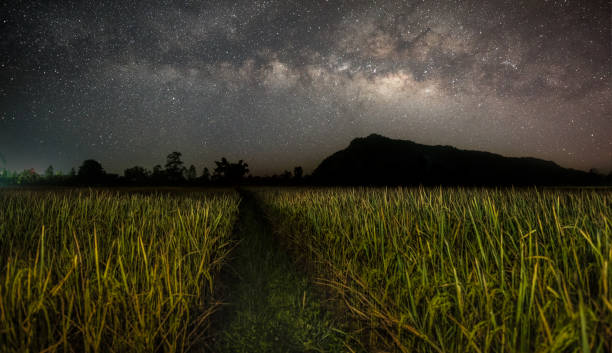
<point x="174" y="172"/>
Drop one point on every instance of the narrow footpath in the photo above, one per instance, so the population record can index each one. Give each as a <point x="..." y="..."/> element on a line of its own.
<point x="269" y="304"/>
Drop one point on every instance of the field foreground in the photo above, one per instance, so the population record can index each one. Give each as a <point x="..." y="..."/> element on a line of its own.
<point x="106" y="271"/>
<point x="425" y="270"/>
<point x="459" y="270"/>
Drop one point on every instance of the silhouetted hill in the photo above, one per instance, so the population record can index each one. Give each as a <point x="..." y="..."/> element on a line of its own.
<point x="378" y="160"/>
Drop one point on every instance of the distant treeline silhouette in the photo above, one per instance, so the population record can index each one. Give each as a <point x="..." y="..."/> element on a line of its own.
<point x="372" y="161"/>
<point x="174" y="172"/>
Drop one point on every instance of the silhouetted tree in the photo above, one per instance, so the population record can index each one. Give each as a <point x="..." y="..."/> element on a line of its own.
<point x="298" y="173"/>
<point x="157" y="169"/>
<point x="286" y="176"/>
<point x="230" y="172"/>
<point x="28" y="176"/>
<point x="72" y="173"/>
<point x="137" y="174"/>
<point x="191" y="173"/>
<point x="158" y="175"/>
<point x="205" y="175"/>
<point x="174" y="167"/>
<point x="91" y="171"/>
<point x="221" y="167"/>
<point x="49" y="172"/>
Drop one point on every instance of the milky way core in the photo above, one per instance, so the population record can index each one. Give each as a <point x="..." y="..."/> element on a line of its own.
<point x="286" y="83"/>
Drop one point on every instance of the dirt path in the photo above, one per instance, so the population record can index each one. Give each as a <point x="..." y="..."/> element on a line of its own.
<point x="270" y="305"/>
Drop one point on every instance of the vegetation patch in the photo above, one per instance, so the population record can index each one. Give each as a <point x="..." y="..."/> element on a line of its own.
<point x="92" y="271"/>
<point x="269" y="305"/>
<point x="460" y="270"/>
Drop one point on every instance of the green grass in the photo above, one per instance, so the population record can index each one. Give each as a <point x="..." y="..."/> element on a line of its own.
<point x="460" y="270"/>
<point x="95" y="271"/>
<point x="270" y="304"/>
<point x="423" y="270"/>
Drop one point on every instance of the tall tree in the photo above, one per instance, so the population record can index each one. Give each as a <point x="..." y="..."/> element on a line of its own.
<point x="298" y="173"/>
<point x="286" y="175"/>
<point x="205" y="175"/>
<point x="137" y="174"/>
<point x="28" y="176"/>
<point x="174" y="167"/>
<point x="158" y="175"/>
<point x="230" y="172"/>
<point x="91" y="171"/>
<point x="49" y="173"/>
<point x="191" y="173"/>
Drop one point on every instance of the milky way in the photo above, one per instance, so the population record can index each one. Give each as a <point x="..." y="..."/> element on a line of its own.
<point x="285" y="83"/>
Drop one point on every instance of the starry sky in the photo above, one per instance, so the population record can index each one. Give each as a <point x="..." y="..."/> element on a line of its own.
<point x="286" y="83"/>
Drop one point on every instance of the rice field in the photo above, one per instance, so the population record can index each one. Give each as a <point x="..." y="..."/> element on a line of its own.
<point x="402" y="269"/>
<point x="459" y="270"/>
<point x="102" y="271"/>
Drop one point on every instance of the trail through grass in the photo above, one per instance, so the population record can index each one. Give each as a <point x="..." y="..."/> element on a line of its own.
<point x="270" y="306"/>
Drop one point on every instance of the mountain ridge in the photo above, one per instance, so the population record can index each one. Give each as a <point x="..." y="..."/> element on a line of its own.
<point x="379" y="160"/>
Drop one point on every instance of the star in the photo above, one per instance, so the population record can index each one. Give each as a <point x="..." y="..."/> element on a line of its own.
<point x="128" y="83"/>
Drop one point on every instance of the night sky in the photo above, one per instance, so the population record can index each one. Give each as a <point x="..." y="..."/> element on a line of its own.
<point x="286" y="83"/>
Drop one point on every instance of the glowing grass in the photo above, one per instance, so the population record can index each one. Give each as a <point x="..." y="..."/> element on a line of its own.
<point x="458" y="270"/>
<point x="104" y="271"/>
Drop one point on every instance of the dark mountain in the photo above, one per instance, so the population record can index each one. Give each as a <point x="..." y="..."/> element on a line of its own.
<point x="378" y="160"/>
